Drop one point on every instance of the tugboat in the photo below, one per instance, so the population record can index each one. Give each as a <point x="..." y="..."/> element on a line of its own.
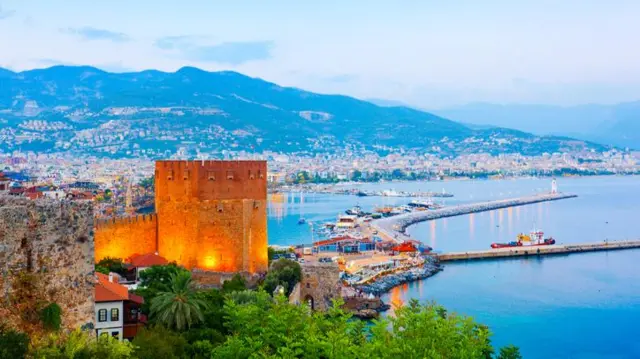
<point x="535" y="238"/>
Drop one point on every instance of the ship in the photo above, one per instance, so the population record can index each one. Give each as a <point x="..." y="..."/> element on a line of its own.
<point x="535" y="238"/>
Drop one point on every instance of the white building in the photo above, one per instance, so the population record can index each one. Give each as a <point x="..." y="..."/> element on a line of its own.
<point x="117" y="312"/>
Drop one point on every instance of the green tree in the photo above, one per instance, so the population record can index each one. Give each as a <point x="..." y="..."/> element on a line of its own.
<point x="510" y="352"/>
<point x="158" y="342"/>
<point x="51" y="316"/>
<point x="237" y="283"/>
<point x="13" y="344"/>
<point x="115" y="265"/>
<point x="148" y="183"/>
<point x="356" y="176"/>
<point x="283" y="272"/>
<point x="79" y="345"/>
<point x="179" y="307"/>
<point x="154" y="280"/>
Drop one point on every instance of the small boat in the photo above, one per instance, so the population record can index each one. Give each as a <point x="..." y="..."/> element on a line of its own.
<point x="535" y="238"/>
<point x="361" y="194"/>
<point x="302" y="221"/>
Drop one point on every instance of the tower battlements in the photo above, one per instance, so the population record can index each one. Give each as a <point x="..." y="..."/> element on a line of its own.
<point x="210" y="215"/>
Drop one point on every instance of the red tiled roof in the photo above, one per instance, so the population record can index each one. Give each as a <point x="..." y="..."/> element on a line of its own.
<point x="109" y="291"/>
<point x="147" y="260"/>
<point x="136" y="298"/>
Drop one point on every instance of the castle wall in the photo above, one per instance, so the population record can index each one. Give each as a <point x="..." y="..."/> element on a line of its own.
<point x="124" y="237"/>
<point x="54" y="241"/>
<point x="212" y="214"/>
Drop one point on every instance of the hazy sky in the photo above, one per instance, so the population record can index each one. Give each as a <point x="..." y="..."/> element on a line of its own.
<point x="430" y="53"/>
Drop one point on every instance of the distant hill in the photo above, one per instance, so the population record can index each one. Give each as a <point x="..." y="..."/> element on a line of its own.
<point x="90" y="111"/>
<point x="614" y="124"/>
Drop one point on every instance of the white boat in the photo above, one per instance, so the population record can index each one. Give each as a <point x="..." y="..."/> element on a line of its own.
<point x="347" y="221"/>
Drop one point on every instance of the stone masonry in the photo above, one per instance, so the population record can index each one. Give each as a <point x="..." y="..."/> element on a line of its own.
<point x="54" y="241"/>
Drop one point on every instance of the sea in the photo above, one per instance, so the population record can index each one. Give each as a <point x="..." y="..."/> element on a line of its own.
<point x="569" y="306"/>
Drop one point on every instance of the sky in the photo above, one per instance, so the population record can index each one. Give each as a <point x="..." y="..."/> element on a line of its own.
<point x="427" y="53"/>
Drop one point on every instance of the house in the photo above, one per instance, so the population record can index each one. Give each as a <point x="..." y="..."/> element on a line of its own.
<point x="117" y="312"/>
<point x="143" y="261"/>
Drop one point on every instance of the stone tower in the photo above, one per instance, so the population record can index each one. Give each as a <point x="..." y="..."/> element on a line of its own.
<point x="212" y="214"/>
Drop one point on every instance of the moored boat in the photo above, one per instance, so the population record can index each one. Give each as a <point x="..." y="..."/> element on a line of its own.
<point x="535" y="238"/>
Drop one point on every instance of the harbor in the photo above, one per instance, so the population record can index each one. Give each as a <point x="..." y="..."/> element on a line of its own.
<point x="393" y="228"/>
<point x="556" y="249"/>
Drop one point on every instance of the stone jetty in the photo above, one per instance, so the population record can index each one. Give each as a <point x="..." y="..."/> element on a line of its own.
<point x="393" y="228"/>
<point x="385" y="283"/>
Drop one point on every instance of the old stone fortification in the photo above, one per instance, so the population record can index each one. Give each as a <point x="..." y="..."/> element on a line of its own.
<point x="211" y="215"/>
<point x="319" y="285"/>
<point x="118" y="237"/>
<point x="52" y="240"/>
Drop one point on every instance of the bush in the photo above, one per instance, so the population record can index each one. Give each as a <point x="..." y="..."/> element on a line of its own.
<point x="51" y="317"/>
<point x="283" y="272"/>
<point x="13" y="344"/>
<point x="158" y="342"/>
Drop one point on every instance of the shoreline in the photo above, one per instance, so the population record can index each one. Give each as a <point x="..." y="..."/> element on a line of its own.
<point x="385" y="283"/>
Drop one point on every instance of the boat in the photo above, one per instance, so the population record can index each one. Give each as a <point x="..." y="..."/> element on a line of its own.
<point x="302" y="221"/>
<point x="361" y="194"/>
<point x="535" y="238"/>
<point x="348" y="221"/>
<point x="354" y="211"/>
<point x="391" y="193"/>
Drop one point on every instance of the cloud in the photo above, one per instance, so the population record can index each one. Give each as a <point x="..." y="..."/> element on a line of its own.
<point x="4" y="14"/>
<point x="232" y="53"/>
<point x="91" y="33"/>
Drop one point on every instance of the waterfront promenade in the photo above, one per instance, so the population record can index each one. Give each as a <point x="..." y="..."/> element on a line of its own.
<point x="539" y="250"/>
<point x="393" y="228"/>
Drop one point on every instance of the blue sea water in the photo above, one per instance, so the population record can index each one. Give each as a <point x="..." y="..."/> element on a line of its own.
<point x="575" y="306"/>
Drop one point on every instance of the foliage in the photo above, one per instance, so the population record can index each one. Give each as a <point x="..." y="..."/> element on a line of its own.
<point x="101" y="269"/>
<point x="79" y="345"/>
<point x="237" y="283"/>
<point x="179" y="307"/>
<point x="13" y="344"/>
<point x="158" y="342"/>
<point x="510" y="352"/>
<point x="283" y="272"/>
<point x="115" y="265"/>
<point x="213" y="311"/>
<point x="273" y="328"/>
<point x="154" y="280"/>
<point x="51" y="316"/>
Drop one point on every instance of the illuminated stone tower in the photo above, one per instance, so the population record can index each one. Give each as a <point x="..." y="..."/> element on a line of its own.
<point x="212" y="215"/>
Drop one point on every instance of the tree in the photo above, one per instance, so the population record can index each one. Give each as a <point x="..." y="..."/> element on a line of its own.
<point x="13" y="344"/>
<point x="237" y="283"/>
<point x="510" y="352"/>
<point x="356" y="176"/>
<point x="158" y="342"/>
<point x="148" y="183"/>
<point x="179" y="307"/>
<point x="115" y="265"/>
<point x="154" y="280"/>
<point x="51" y="316"/>
<point x="283" y="272"/>
<point x="79" y="345"/>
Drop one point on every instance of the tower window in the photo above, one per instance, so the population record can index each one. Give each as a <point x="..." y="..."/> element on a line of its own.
<point x="170" y="175"/>
<point x="211" y="176"/>
<point x="260" y="175"/>
<point x="251" y="175"/>
<point x="229" y="175"/>
<point x="186" y="175"/>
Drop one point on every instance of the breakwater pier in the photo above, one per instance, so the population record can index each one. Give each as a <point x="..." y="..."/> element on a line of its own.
<point x="538" y="250"/>
<point x="393" y="228"/>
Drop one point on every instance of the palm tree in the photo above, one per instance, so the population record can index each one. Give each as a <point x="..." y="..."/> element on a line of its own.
<point x="178" y="308"/>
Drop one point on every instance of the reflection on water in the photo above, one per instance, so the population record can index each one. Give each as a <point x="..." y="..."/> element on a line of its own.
<point x="433" y="233"/>
<point x="472" y="226"/>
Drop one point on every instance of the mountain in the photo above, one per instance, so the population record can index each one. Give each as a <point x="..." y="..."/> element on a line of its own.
<point x="90" y="111"/>
<point x="614" y="124"/>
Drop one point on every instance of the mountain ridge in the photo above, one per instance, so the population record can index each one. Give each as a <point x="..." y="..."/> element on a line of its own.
<point x="88" y="110"/>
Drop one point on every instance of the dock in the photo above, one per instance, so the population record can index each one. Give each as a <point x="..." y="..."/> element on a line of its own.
<point x="534" y="251"/>
<point x="393" y="228"/>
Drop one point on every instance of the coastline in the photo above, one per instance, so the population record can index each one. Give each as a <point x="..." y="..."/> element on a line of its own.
<point x="385" y="283"/>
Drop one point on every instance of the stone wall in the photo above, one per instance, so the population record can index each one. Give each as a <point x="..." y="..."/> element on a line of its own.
<point x="319" y="285"/>
<point x="52" y="240"/>
<point x="124" y="237"/>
